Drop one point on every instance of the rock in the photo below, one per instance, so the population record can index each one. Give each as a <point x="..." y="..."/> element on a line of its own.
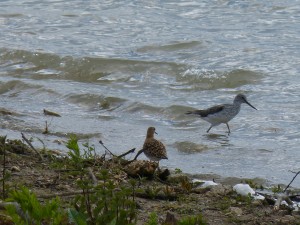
<point x="15" y="169"/>
<point x="170" y="219"/>
<point x="141" y="168"/>
<point x="287" y="219"/>
<point x="164" y="174"/>
<point x="257" y="202"/>
<point x="219" y="190"/>
<point x="236" y="211"/>
<point x="177" y="178"/>
<point x="203" y="183"/>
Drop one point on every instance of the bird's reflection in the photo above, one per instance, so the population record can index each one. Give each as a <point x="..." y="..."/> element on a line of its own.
<point x="219" y="138"/>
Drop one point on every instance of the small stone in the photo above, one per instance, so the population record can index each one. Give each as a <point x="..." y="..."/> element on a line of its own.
<point x="236" y="210"/>
<point x="257" y="202"/>
<point x="177" y="178"/>
<point x="219" y="190"/>
<point x="15" y="169"/>
<point x="287" y="219"/>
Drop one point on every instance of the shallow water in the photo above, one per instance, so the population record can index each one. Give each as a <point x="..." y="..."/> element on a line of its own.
<point x="112" y="68"/>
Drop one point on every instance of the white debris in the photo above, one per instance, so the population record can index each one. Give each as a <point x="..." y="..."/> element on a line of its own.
<point x="204" y="183"/>
<point x="245" y="190"/>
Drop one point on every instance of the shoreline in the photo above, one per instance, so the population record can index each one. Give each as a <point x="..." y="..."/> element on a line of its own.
<point x="218" y="204"/>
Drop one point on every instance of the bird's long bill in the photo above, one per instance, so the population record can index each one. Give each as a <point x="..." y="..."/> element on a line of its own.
<point x="250" y="105"/>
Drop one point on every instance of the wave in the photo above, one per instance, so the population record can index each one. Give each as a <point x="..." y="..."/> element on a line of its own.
<point x="199" y="79"/>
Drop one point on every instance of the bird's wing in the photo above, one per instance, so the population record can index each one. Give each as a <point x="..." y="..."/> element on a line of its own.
<point x="206" y="112"/>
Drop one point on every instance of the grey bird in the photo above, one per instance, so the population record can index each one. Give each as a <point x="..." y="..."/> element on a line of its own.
<point x="222" y="113"/>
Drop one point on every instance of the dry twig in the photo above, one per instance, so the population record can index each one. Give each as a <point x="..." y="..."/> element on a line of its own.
<point x="29" y="143"/>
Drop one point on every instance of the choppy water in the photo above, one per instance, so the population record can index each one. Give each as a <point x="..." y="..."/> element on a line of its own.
<point x="113" y="68"/>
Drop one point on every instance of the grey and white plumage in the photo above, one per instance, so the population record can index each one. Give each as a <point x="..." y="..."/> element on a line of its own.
<point x="222" y="113"/>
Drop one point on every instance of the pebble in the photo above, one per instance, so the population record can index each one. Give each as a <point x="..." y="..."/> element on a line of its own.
<point x="15" y="169"/>
<point x="236" y="210"/>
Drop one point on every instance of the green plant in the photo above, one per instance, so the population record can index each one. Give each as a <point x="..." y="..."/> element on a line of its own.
<point x="106" y="203"/>
<point x="80" y="156"/>
<point x="152" y="191"/>
<point x="178" y="171"/>
<point x="277" y="189"/>
<point x="74" y="152"/>
<point x="76" y="217"/>
<point x="89" y="151"/>
<point x="26" y="209"/>
<point x="193" y="220"/>
<point x="246" y="199"/>
<point x="5" y="173"/>
<point x="153" y="219"/>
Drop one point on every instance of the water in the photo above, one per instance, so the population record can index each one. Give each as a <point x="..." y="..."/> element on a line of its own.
<point x="114" y="68"/>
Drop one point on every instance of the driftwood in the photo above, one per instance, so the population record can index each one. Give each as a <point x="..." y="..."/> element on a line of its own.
<point x="92" y="176"/>
<point x="157" y="196"/>
<point x="139" y="152"/>
<point x="116" y="156"/>
<point x="280" y="198"/>
<point x="29" y="143"/>
<point x="126" y="153"/>
<point x="284" y="196"/>
<point x="106" y="148"/>
<point x="49" y="113"/>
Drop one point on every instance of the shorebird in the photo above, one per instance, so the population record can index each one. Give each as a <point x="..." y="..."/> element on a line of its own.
<point x="152" y="148"/>
<point x="222" y="113"/>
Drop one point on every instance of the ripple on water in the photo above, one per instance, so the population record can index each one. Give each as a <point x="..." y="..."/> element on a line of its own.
<point x="190" y="147"/>
<point x="199" y="79"/>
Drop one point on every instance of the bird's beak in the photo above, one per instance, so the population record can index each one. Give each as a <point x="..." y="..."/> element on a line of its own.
<point x="155" y="132"/>
<point x="250" y="105"/>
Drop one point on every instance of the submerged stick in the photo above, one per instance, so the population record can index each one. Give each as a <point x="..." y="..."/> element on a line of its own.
<point x="29" y="143"/>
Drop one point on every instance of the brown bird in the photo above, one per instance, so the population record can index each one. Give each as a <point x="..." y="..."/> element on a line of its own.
<point x="153" y="149"/>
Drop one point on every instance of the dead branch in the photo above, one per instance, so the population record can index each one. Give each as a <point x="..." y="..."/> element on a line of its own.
<point x="126" y="153"/>
<point x="64" y="194"/>
<point x="29" y="143"/>
<point x="106" y="148"/>
<point x="92" y="176"/>
<point x="157" y="196"/>
<point x="291" y="181"/>
<point x="280" y="198"/>
<point x="139" y="152"/>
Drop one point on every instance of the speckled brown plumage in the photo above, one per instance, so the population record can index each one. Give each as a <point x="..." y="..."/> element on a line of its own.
<point x="154" y="149"/>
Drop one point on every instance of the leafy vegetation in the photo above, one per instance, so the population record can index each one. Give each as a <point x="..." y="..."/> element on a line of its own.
<point x="28" y="210"/>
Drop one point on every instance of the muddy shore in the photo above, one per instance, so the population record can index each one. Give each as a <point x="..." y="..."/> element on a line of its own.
<point x="217" y="204"/>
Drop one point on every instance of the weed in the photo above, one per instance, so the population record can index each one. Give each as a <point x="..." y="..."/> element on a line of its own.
<point x="29" y="210"/>
<point x="178" y="171"/>
<point x="277" y="189"/>
<point x="193" y="220"/>
<point x="153" y="219"/>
